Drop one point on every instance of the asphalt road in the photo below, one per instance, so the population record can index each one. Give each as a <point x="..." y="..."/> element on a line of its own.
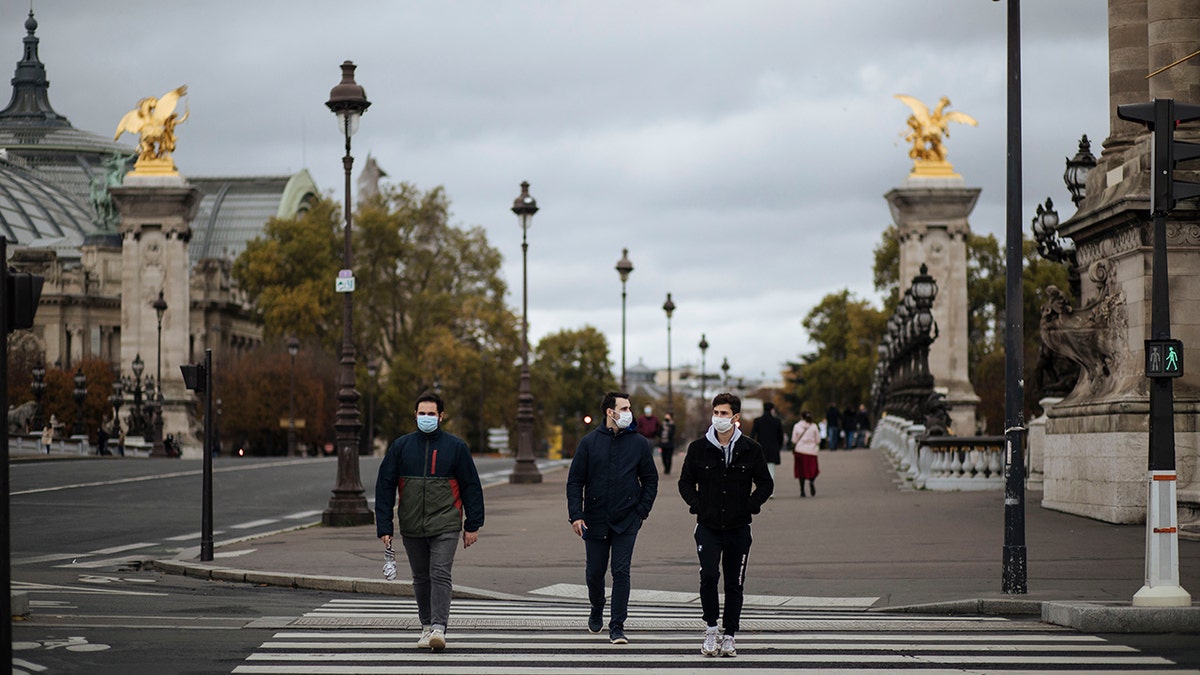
<point x="80" y="529"/>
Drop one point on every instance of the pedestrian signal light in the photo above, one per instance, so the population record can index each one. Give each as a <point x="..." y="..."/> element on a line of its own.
<point x="1164" y="358"/>
<point x="21" y="299"/>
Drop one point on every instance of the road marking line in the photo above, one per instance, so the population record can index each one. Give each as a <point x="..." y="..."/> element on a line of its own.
<point x="120" y="549"/>
<point x="254" y="523"/>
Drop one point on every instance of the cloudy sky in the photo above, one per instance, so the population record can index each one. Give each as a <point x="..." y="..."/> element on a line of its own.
<point x="739" y="149"/>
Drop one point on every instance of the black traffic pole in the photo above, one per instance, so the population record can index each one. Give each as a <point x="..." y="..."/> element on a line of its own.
<point x="1014" y="563"/>
<point x="200" y="378"/>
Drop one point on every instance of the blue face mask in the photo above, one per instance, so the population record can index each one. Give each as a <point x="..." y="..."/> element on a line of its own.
<point x="427" y="423"/>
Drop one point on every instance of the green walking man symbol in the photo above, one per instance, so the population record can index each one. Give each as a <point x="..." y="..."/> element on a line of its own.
<point x="1172" y="359"/>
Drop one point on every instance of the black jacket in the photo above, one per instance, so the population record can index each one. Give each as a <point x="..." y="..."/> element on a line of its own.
<point x="721" y="496"/>
<point x="768" y="431"/>
<point x="612" y="482"/>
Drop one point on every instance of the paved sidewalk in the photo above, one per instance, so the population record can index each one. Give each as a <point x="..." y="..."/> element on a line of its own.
<point x="863" y="542"/>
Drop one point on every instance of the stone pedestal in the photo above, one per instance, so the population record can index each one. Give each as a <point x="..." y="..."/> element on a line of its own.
<point x="930" y="214"/>
<point x="156" y="216"/>
<point x="1097" y="438"/>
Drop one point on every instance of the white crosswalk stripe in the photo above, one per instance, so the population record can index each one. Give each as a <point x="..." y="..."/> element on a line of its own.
<point x="378" y="636"/>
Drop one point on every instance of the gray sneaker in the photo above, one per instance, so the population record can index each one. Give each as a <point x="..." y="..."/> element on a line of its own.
<point x="437" y="639"/>
<point x="728" y="648"/>
<point x="423" y="643"/>
<point x="712" y="642"/>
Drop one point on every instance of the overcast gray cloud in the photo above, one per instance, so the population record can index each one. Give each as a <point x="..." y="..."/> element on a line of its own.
<point x="740" y="150"/>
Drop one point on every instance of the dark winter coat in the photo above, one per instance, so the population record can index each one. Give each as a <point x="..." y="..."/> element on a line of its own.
<point x="435" y="479"/>
<point x="720" y="496"/>
<point x="768" y="431"/>
<point x="612" y="482"/>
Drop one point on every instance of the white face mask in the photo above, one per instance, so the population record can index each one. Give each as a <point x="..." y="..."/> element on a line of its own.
<point x="646" y="410"/>
<point x="624" y="419"/>
<point x="722" y="424"/>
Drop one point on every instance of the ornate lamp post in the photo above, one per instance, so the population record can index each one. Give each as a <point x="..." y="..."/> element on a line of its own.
<point x="624" y="267"/>
<point x="525" y="470"/>
<point x="80" y="395"/>
<point x="703" y="348"/>
<point x="116" y="399"/>
<point x="160" y="308"/>
<point x="38" y="387"/>
<point x="725" y="373"/>
<point x="347" y="505"/>
<point x="1078" y="168"/>
<point x="669" y="308"/>
<point x="293" y="346"/>
<point x="137" y="419"/>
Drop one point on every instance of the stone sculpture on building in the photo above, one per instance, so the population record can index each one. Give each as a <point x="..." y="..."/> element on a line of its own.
<point x="1092" y="336"/>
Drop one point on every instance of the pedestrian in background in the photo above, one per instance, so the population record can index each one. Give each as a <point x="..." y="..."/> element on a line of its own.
<point x="806" y="440"/>
<point x="768" y="431"/>
<point x="47" y="438"/>
<point x="863" y="422"/>
<point x="718" y="473"/>
<point x="611" y="488"/>
<point x="850" y="424"/>
<point x="648" y="425"/>
<point x="666" y="442"/>
<point x="833" y="426"/>
<point x="435" y="479"/>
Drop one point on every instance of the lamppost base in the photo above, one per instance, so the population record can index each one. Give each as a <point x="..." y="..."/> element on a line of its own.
<point x="525" y="472"/>
<point x="1162" y="596"/>
<point x="347" y="511"/>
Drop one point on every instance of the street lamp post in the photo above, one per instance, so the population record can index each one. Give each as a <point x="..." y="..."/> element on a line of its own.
<point x="725" y="374"/>
<point x="347" y="505"/>
<point x="372" y="373"/>
<point x="669" y="308"/>
<point x="525" y="470"/>
<point x="624" y="267"/>
<point x="116" y="399"/>
<point x="80" y="395"/>
<point x="160" y="308"/>
<point x="703" y="348"/>
<point x="293" y="346"/>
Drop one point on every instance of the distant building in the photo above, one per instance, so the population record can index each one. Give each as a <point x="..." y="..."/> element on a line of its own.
<point x="60" y="221"/>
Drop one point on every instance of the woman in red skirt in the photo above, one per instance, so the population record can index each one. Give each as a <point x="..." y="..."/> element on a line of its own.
<point x="806" y="440"/>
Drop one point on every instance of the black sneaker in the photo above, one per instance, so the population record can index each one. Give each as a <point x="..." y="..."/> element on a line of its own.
<point x="617" y="637"/>
<point x="596" y="621"/>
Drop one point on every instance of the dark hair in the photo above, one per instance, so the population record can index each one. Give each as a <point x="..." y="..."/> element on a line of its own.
<point x="610" y="401"/>
<point x="806" y="416"/>
<point x="734" y="403"/>
<point x="768" y="407"/>
<point x="430" y="396"/>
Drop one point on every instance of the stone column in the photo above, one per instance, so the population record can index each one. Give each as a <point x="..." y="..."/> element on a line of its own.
<point x="931" y="221"/>
<point x="156" y="216"/>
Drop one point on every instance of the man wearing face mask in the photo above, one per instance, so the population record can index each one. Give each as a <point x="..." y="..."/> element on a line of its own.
<point x="435" y="478"/>
<point x="718" y="475"/>
<point x="610" y="489"/>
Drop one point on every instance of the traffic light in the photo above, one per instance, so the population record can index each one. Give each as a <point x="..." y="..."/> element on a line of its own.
<point x="22" y="296"/>
<point x="1162" y="116"/>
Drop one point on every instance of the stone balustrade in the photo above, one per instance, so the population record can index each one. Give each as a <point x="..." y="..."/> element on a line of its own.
<point x="941" y="462"/>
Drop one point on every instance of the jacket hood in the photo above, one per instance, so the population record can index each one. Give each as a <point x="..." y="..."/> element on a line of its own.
<point x="711" y="435"/>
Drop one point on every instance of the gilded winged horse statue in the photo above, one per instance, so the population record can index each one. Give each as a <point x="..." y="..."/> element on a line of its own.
<point x="926" y="130"/>
<point x="154" y="120"/>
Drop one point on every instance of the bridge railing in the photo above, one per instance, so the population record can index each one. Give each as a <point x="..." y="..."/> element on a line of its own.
<point x="941" y="462"/>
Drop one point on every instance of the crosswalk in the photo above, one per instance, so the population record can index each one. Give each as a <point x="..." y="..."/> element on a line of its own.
<point x="377" y="636"/>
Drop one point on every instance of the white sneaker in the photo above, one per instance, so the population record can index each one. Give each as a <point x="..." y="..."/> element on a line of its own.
<point x="437" y="640"/>
<point x="423" y="643"/>
<point x="712" y="642"/>
<point x="728" y="648"/>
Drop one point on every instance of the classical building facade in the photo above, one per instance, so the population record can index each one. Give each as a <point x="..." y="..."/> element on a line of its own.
<point x="108" y="246"/>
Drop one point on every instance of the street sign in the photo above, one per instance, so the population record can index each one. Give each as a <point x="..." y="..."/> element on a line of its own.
<point x="1164" y="358"/>
<point x="345" y="281"/>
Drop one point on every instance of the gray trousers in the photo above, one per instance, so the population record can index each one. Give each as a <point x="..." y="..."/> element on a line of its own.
<point x="430" y="559"/>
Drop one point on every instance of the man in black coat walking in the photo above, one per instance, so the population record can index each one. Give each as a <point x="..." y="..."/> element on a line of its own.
<point x="768" y="431"/>
<point x="718" y="473"/>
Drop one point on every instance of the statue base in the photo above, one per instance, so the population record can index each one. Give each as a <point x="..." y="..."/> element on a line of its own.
<point x="164" y="166"/>
<point x="933" y="168"/>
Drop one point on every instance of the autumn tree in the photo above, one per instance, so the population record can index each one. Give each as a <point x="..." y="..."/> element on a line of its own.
<point x="571" y="373"/>
<point x="845" y="331"/>
<point x="428" y="303"/>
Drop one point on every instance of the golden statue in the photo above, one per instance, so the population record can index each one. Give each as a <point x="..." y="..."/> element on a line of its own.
<point x="154" y="119"/>
<point x="926" y="131"/>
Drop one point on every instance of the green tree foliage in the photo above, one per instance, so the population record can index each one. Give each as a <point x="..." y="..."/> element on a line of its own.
<point x="845" y="331"/>
<point x="571" y="374"/>
<point x="428" y="305"/>
<point x="289" y="273"/>
<point x="59" y="397"/>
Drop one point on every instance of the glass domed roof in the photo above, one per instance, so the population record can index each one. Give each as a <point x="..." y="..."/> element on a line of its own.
<point x="33" y="210"/>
